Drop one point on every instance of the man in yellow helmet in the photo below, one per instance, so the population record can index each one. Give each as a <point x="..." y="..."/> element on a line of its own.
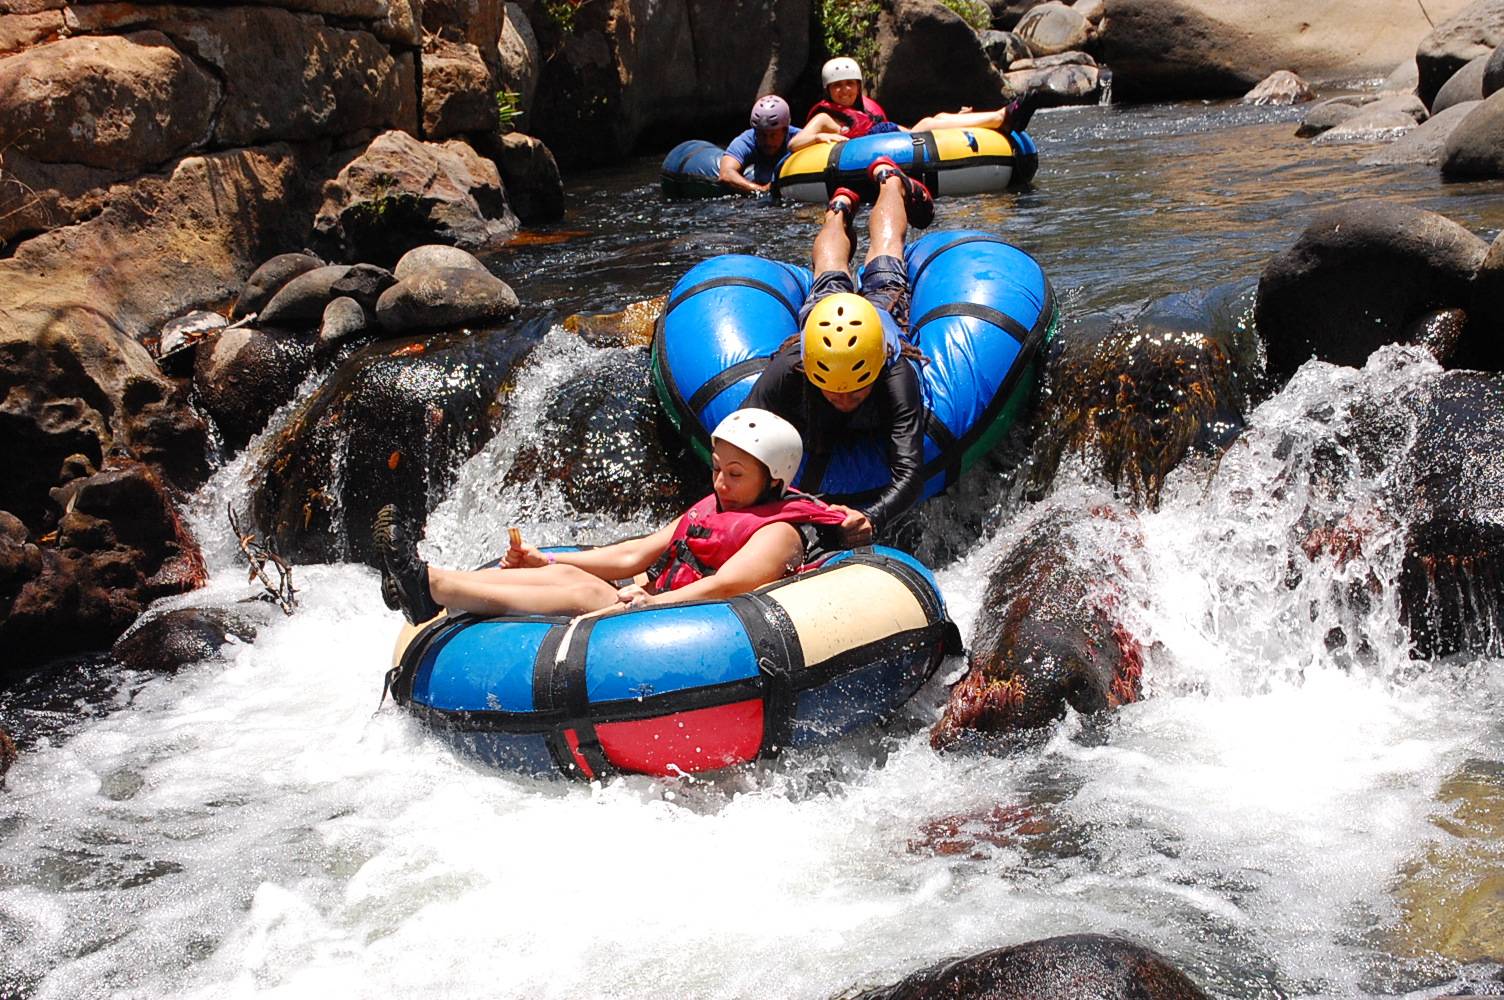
<point x="850" y="372"/>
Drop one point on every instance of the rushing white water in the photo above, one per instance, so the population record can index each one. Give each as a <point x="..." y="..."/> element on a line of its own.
<point x="254" y="827"/>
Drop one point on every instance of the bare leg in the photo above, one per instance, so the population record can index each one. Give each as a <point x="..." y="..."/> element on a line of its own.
<point x="549" y="590"/>
<point x="835" y="242"/>
<point x="889" y="222"/>
<point x="952" y="119"/>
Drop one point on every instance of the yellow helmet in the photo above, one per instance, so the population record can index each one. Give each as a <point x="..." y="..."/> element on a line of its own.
<point x="844" y="344"/>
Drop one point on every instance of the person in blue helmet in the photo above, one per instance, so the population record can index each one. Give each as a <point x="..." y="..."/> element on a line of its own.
<point x="760" y="147"/>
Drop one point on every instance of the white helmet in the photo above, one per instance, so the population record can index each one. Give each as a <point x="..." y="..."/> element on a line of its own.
<point x="838" y="69"/>
<point x="765" y="436"/>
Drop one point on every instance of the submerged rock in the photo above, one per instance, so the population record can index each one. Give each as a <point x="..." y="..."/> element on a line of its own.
<point x="613" y="452"/>
<point x="1050" y="632"/>
<point x="1134" y="397"/>
<point x="1071" y="967"/>
<point x="390" y="426"/>
<point x="632" y="327"/>
<point x="163" y="643"/>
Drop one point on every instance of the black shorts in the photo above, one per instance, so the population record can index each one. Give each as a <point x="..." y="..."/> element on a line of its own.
<point x="885" y="283"/>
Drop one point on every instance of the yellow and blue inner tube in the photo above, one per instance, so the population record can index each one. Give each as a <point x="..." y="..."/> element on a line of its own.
<point x="949" y="161"/>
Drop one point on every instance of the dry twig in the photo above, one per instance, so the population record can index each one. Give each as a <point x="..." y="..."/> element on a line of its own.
<point x="282" y="593"/>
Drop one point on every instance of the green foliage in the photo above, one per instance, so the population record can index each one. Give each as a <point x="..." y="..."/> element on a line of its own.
<point x="507" y="111"/>
<point x="561" y="13"/>
<point x="973" y="12"/>
<point x="849" y="28"/>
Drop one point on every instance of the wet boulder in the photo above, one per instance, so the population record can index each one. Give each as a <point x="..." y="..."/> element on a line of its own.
<point x="171" y="640"/>
<point x="268" y="279"/>
<point x="119" y="545"/>
<point x="242" y="375"/>
<point x="443" y="297"/>
<point x="344" y="321"/>
<point x="1475" y="149"/>
<point x="1359" y="277"/>
<point x="1133" y="397"/>
<point x="1475" y="31"/>
<point x="1465" y="85"/>
<point x="611" y="451"/>
<point x="402" y="193"/>
<point x="631" y="327"/>
<point x="391" y="425"/>
<point x="1052" y="28"/>
<point x="1058" y="968"/>
<point x="1282" y="88"/>
<point x="1452" y="501"/>
<point x="915" y="36"/>
<point x="1049" y="632"/>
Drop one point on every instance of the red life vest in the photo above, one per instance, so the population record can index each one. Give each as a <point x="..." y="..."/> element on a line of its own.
<point x="855" y="121"/>
<point x="707" y="536"/>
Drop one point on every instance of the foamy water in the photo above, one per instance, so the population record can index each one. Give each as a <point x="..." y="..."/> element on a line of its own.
<point x="255" y="827"/>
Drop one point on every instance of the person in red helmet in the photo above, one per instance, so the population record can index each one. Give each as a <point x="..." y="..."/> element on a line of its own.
<point x="760" y="147"/>
<point x="847" y="112"/>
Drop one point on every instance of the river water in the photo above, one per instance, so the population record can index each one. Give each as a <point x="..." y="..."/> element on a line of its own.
<point x="255" y="827"/>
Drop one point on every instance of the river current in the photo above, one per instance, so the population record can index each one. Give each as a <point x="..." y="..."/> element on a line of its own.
<point x="255" y="827"/>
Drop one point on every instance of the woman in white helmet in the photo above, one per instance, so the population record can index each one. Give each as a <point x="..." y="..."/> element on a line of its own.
<point x="846" y="111"/>
<point x="743" y="535"/>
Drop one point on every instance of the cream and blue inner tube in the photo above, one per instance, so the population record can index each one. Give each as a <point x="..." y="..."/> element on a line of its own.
<point x="981" y="310"/>
<point x="681" y="688"/>
<point x="949" y="161"/>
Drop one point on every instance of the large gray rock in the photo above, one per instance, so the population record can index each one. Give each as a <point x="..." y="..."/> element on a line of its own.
<point x="1330" y="113"/>
<point x="1068" y="78"/>
<point x="444" y="297"/>
<point x="1465" y="85"/>
<point x="1471" y="32"/>
<point x="1387" y="117"/>
<point x="534" y="188"/>
<point x="1359" y="277"/>
<point x="269" y="278"/>
<point x="1184" y="48"/>
<point x="122" y="102"/>
<point x="1476" y="146"/>
<point x="1004" y="48"/>
<point x="914" y="37"/>
<point x="401" y="193"/>
<point x="1424" y="144"/>
<point x="1052" y="28"/>
<point x="1493" y="72"/>
<point x="434" y="255"/>
<point x="300" y="302"/>
<point x="520" y="59"/>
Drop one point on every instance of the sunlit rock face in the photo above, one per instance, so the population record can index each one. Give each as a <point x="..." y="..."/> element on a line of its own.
<point x="390" y="426"/>
<point x="1073" y="966"/>
<point x="1049" y="633"/>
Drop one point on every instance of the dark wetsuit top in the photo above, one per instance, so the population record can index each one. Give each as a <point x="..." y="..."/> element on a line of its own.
<point x="895" y="406"/>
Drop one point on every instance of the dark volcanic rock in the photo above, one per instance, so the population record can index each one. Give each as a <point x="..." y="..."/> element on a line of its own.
<point x="1358" y="278"/>
<point x="390" y="426"/>
<point x="1073" y="967"/>
<point x="613" y="454"/>
<point x="914" y="37"/>
<point x="1049" y="633"/>
<point x="162" y="643"/>
<point x="119" y="546"/>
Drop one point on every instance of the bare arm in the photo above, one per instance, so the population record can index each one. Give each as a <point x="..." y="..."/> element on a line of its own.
<point x="731" y="176"/>
<point x="810" y="136"/>
<point x="616" y="561"/>
<point x="771" y="554"/>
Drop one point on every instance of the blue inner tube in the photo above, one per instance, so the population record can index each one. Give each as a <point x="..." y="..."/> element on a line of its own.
<point x="684" y="687"/>
<point x="692" y="169"/>
<point x="981" y="311"/>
